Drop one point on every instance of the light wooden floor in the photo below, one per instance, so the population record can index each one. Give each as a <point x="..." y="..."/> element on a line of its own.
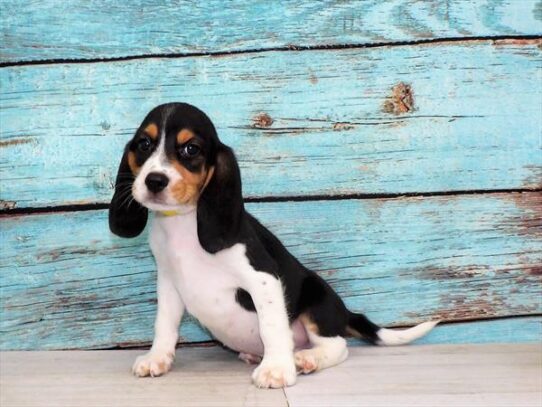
<point x="464" y="375"/>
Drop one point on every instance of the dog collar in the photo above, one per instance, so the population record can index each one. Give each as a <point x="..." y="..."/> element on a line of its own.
<point x="170" y="213"/>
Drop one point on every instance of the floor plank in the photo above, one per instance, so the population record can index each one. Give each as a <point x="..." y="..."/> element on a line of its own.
<point x="201" y="377"/>
<point x="459" y="375"/>
<point x="445" y="375"/>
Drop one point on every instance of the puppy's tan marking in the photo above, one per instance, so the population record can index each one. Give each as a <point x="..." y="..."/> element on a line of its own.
<point x="151" y="130"/>
<point x="353" y="333"/>
<point x="184" y="135"/>
<point x="189" y="187"/>
<point x="132" y="163"/>
<point x="305" y="360"/>
<point x="309" y="324"/>
<point x="325" y="351"/>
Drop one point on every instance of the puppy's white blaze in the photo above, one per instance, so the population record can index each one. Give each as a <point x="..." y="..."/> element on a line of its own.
<point x="394" y="337"/>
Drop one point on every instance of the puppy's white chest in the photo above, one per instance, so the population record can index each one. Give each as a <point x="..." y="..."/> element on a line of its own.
<point x="206" y="286"/>
<point x="206" y="282"/>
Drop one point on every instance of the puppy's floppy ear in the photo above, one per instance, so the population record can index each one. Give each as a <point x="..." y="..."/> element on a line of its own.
<point x="220" y="206"/>
<point x="127" y="218"/>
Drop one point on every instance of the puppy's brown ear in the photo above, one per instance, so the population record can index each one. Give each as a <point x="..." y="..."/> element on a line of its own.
<point x="220" y="206"/>
<point x="127" y="218"/>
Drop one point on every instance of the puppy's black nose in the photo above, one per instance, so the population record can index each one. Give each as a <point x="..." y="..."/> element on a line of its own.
<point x="156" y="181"/>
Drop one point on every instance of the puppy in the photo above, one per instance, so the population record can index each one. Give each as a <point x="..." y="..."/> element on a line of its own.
<point x="220" y="264"/>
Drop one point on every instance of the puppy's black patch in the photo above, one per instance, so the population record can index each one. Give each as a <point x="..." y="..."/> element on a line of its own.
<point x="245" y="300"/>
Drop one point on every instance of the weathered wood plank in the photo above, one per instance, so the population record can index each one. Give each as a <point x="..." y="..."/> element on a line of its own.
<point x="52" y="29"/>
<point x="210" y="377"/>
<point x="476" y="123"/>
<point x="498" y="376"/>
<point x="68" y="283"/>
<point x="427" y="376"/>
<point x="507" y="330"/>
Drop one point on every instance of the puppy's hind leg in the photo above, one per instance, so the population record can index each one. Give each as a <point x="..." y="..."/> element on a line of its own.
<point x="325" y="351"/>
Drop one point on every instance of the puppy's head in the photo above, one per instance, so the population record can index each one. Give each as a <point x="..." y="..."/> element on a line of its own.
<point x="174" y="156"/>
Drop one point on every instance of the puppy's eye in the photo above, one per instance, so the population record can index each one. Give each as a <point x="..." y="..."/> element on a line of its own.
<point x="144" y="144"/>
<point x="190" y="150"/>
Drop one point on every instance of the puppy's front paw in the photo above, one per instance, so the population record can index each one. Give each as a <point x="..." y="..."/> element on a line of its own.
<point x="153" y="364"/>
<point x="274" y="374"/>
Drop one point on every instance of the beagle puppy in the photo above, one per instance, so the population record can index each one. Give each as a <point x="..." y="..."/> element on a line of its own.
<point x="217" y="262"/>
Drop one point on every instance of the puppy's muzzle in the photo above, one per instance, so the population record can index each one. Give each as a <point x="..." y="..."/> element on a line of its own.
<point x="156" y="182"/>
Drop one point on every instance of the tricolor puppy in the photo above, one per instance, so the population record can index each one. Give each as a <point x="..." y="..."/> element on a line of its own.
<point x="220" y="264"/>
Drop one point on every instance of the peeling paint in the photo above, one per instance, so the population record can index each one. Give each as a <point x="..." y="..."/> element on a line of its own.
<point x="448" y="273"/>
<point x="7" y="205"/>
<point x="16" y="142"/>
<point x="262" y="120"/>
<point x="530" y="222"/>
<point x="342" y="126"/>
<point x="534" y="180"/>
<point x="401" y="100"/>
<point x="518" y="41"/>
<point x="459" y="307"/>
<point x="68" y="252"/>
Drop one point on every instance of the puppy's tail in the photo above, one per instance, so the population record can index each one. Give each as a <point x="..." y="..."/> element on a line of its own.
<point x="360" y="326"/>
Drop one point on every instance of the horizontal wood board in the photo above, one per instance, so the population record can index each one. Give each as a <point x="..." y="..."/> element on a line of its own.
<point x="202" y="377"/>
<point x="56" y="29"/>
<point x="410" y="376"/>
<point x="475" y="125"/>
<point x="427" y="376"/>
<point x="507" y="330"/>
<point x="303" y="124"/>
<point x="68" y="283"/>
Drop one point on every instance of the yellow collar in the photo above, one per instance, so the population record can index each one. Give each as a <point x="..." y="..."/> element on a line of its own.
<point x="170" y="213"/>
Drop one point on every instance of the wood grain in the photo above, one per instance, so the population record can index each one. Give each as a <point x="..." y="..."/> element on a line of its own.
<point x="68" y="283"/>
<point x="302" y="123"/>
<point x="209" y="377"/>
<point x="410" y="376"/>
<point x="451" y="376"/>
<point x="53" y="29"/>
<point x="508" y="330"/>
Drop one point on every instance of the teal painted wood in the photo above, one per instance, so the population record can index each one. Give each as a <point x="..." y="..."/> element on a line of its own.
<point x="507" y="330"/>
<point x="66" y="282"/>
<point x="476" y="125"/>
<point x="492" y="331"/>
<point x="54" y="29"/>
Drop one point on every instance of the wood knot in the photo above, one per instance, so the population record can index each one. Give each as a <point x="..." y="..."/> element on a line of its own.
<point x="339" y="126"/>
<point x="401" y="100"/>
<point x="7" y="204"/>
<point x="292" y="47"/>
<point x="262" y="120"/>
<point x="105" y="125"/>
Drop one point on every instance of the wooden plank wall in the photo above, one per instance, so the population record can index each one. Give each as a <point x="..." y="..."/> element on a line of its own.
<point x="395" y="147"/>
